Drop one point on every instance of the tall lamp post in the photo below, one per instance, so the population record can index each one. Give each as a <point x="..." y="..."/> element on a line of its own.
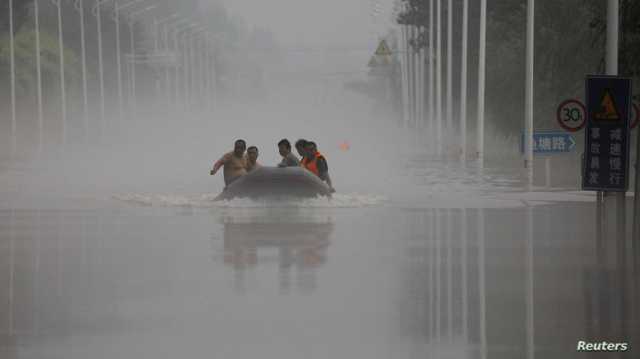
<point x="97" y="14"/>
<point x="79" y="5"/>
<point x="481" y="80"/>
<point x="36" y="12"/>
<point x="116" y="19"/>
<point x="13" y="79"/>
<point x="63" y="89"/>
<point x="463" y="81"/>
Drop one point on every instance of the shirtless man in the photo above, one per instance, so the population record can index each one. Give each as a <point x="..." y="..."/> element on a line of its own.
<point x="252" y="159"/>
<point x="234" y="163"/>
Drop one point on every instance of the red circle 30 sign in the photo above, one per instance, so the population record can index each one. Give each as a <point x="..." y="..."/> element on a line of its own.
<point x="571" y="115"/>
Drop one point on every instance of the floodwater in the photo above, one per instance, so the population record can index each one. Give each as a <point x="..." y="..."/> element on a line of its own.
<point x="459" y="269"/>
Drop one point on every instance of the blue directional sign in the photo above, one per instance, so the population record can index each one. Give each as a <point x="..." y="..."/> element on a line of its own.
<point x="547" y="142"/>
<point x="606" y="157"/>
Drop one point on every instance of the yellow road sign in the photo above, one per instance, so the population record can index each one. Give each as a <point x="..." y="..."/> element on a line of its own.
<point x="383" y="49"/>
<point x="608" y="110"/>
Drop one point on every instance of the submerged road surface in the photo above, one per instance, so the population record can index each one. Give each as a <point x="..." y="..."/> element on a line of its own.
<point x="497" y="275"/>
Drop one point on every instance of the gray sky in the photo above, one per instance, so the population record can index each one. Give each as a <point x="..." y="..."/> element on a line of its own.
<point x="313" y="23"/>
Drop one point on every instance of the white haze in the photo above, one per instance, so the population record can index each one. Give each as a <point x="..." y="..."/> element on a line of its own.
<point x="166" y="153"/>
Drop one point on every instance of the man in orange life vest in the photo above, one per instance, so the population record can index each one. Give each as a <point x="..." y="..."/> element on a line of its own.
<point x="315" y="162"/>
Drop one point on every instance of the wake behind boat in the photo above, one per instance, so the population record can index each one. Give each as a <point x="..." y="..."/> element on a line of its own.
<point x="276" y="182"/>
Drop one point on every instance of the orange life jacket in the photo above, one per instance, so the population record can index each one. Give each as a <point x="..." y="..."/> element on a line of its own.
<point x="311" y="164"/>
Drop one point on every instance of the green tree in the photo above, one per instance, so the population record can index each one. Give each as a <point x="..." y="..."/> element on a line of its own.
<point x="26" y="61"/>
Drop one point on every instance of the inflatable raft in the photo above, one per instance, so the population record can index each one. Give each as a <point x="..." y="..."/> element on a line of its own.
<point x="275" y="182"/>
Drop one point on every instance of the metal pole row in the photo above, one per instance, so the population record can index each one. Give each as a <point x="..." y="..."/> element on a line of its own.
<point x="198" y="53"/>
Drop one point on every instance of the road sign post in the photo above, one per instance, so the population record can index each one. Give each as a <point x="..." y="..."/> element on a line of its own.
<point x="606" y="160"/>
<point x="549" y="142"/>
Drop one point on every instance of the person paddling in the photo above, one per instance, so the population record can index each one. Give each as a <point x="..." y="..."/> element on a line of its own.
<point x="252" y="159"/>
<point x="234" y="163"/>
<point x="315" y="162"/>
<point x="300" y="148"/>
<point x="288" y="158"/>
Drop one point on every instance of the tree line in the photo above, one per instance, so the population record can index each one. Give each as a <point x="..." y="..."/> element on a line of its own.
<point x="569" y="43"/>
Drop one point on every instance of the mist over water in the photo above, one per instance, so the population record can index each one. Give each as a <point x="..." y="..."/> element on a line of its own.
<point x="112" y="245"/>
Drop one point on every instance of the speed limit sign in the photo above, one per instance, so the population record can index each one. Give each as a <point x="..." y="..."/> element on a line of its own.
<point x="571" y="115"/>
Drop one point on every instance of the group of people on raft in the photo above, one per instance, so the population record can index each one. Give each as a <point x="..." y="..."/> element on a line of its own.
<point x="237" y="163"/>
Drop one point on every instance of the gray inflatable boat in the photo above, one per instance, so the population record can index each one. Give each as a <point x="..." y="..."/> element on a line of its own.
<point x="275" y="182"/>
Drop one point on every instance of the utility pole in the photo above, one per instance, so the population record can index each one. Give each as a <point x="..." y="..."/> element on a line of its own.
<point x="613" y="28"/>
<point x="116" y="19"/>
<point x="439" y="141"/>
<point x="432" y="120"/>
<point x="612" y="70"/>
<point x="63" y="88"/>
<point x="132" y="74"/>
<point x="79" y="5"/>
<point x="463" y="81"/>
<point x="100" y="64"/>
<point x="449" y="71"/>
<point x="12" y="65"/>
<point x="528" y="133"/>
<point x="39" y="77"/>
<point x="481" y="78"/>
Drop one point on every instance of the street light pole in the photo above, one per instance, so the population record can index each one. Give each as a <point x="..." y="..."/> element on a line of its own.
<point x="528" y="138"/>
<point x="13" y="79"/>
<point x="98" y="16"/>
<point x="38" y="76"/>
<point x="79" y="5"/>
<point x="481" y="78"/>
<point x="132" y="75"/>
<point x="439" y="77"/>
<point x="463" y="80"/>
<point x="116" y="18"/>
<point x="63" y="90"/>
<point x="431" y="78"/>
<point x="449" y="71"/>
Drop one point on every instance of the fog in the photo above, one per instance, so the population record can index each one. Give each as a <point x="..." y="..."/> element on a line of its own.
<point x="112" y="244"/>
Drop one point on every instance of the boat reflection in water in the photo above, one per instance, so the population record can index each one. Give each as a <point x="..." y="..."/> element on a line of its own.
<point x="296" y="244"/>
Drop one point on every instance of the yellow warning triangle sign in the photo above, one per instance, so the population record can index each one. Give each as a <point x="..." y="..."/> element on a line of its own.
<point x="608" y="110"/>
<point x="383" y="49"/>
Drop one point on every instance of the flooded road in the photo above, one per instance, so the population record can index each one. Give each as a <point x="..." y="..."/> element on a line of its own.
<point x="501" y="274"/>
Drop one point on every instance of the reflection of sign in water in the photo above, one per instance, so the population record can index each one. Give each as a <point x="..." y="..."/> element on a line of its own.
<point x="606" y="160"/>
<point x="299" y="246"/>
<point x="550" y="142"/>
<point x="571" y="115"/>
